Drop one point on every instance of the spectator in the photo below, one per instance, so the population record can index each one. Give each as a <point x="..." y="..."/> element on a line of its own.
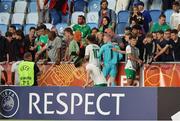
<point x="176" y="44"/>
<point x="105" y="24"/>
<point x="175" y="17"/>
<point x="11" y="48"/>
<point x="167" y="35"/>
<point x="178" y="30"/>
<point x="20" y="44"/>
<point x="164" y="48"/>
<point x="161" y="25"/>
<point x="3" y="81"/>
<point x="110" y="59"/>
<point x="53" y="47"/>
<point x="94" y="31"/>
<point x="68" y="36"/>
<point x="132" y="61"/>
<point x="28" y="77"/>
<point x="2" y="48"/>
<point x="122" y="5"/>
<point x="30" y="42"/>
<point x="154" y="34"/>
<point x="104" y="11"/>
<point x="14" y="73"/>
<point x="43" y="11"/>
<point x="136" y="18"/>
<point x="99" y="38"/>
<point x="149" y="49"/>
<point x="136" y="31"/>
<point x="57" y="8"/>
<point x="167" y="4"/>
<point x="147" y="17"/>
<point x="12" y="29"/>
<point x="82" y="26"/>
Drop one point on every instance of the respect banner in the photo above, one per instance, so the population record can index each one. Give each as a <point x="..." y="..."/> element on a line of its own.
<point x="75" y="103"/>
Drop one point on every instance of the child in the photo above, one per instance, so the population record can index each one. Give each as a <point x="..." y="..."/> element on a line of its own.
<point x="149" y="49"/>
<point x="132" y="61"/>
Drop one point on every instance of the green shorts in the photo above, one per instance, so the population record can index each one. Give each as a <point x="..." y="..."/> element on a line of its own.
<point x="101" y="85"/>
<point x="130" y="74"/>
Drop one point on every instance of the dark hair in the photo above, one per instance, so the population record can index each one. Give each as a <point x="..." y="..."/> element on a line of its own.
<point x="83" y="17"/>
<point x="31" y="28"/>
<point x="162" y="16"/>
<point x="174" y="31"/>
<point x="27" y="55"/>
<point x="8" y="34"/>
<point x="12" y="26"/>
<point x="176" y="3"/>
<point x="95" y="29"/>
<point x="69" y="30"/>
<point x="91" y="38"/>
<point x="53" y="34"/>
<point x="107" y="18"/>
<point x="133" y="37"/>
<point x="160" y="32"/>
<point x="41" y="26"/>
<point x="104" y="1"/>
<point x="20" y="33"/>
<point x="138" y="27"/>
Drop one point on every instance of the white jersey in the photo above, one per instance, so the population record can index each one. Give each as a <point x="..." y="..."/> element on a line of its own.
<point x="175" y="20"/>
<point x="95" y="74"/>
<point x="92" y="52"/>
<point x="14" y="69"/>
<point x="1" y="69"/>
<point x="134" y="52"/>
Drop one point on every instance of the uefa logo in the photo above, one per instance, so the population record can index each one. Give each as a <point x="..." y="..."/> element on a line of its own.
<point x="9" y="103"/>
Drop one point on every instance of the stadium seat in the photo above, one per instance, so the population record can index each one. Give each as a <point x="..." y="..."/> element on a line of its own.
<point x="94" y="5"/>
<point x="121" y="27"/>
<point x="26" y="28"/>
<point x="123" y="16"/>
<point x="80" y="5"/>
<point x="3" y="29"/>
<point x="18" y="26"/>
<point x="4" y="18"/>
<point x="92" y="17"/>
<point x="48" y="25"/>
<point x="32" y="18"/>
<point x="75" y="17"/>
<point x="18" y="18"/>
<point x="168" y="14"/>
<point x="92" y="25"/>
<point x="112" y="4"/>
<point x="60" y="27"/>
<point x="155" y="15"/>
<point x="156" y="4"/>
<point x="20" y="7"/>
<point x="32" y="7"/>
<point x="6" y="6"/>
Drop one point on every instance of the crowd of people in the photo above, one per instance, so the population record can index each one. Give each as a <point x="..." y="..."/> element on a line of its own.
<point x="143" y="42"/>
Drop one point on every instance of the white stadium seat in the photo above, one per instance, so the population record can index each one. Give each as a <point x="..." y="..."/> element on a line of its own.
<point x="20" y="7"/>
<point x="4" y="18"/>
<point x="18" y="18"/>
<point x="112" y="4"/>
<point x="32" y="18"/>
<point x="92" y="17"/>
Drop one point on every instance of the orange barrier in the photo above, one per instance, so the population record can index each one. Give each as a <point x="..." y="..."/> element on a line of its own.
<point x="164" y="75"/>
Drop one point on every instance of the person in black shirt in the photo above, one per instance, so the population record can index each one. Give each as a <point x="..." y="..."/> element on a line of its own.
<point x="2" y="48"/>
<point x="176" y="44"/>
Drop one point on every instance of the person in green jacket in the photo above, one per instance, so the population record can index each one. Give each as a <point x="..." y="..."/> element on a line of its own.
<point x="161" y="25"/>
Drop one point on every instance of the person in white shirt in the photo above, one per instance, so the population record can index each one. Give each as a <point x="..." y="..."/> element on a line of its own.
<point x="2" y="70"/>
<point x="175" y="17"/>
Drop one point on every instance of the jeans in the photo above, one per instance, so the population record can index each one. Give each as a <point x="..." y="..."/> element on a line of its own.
<point x="56" y="16"/>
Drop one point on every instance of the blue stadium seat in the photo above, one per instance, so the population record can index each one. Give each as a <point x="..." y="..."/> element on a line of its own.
<point x="94" y="5"/>
<point x="121" y="27"/>
<point x="6" y="6"/>
<point x="92" y="25"/>
<point x="168" y="14"/>
<point x="26" y="28"/>
<point x="123" y="16"/>
<point x="155" y="15"/>
<point x="32" y="7"/>
<point x="18" y="26"/>
<point x="60" y="27"/>
<point x="80" y="5"/>
<point x="3" y="29"/>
